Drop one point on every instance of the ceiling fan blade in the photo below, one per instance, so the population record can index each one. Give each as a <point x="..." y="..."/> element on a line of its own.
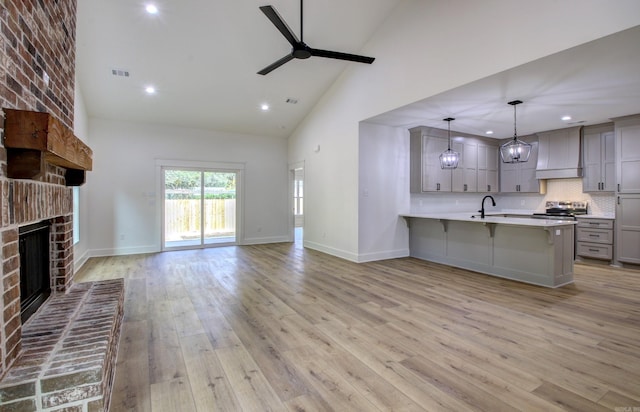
<point x="280" y="24"/>
<point x="276" y="64"/>
<point x="341" y="56"/>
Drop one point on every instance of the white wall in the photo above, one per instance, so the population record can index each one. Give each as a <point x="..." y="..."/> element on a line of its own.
<point x="426" y="47"/>
<point x="383" y="174"/>
<point x="125" y="200"/>
<point x="81" y="130"/>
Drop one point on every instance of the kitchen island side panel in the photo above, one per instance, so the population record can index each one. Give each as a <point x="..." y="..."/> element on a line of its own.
<point x="537" y="255"/>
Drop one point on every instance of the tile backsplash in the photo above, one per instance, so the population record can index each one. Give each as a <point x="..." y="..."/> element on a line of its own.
<point x="571" y="189"/>
<point x="557" y="189"/>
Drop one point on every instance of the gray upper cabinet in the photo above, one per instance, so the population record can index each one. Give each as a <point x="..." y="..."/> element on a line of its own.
<point x="465" y="176"/>
<point x="487" y="168"/>
<point x="477" y="169"/>
<point x="521" y="177"/>
<point x="425" y="172"/>
<point x="598" y="158"/>
<point x="628" y="154"/>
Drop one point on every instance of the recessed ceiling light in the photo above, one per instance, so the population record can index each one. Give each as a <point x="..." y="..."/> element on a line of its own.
<point x="151" y="8"/>
<point x="565" y="118"/>
<point x="489" y="132"/>
<point x="264" y="107"/>
<point x="150" y="90"/>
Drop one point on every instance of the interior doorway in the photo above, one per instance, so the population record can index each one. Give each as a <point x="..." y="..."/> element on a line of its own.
<point x="199" y="208"/>
<point x="298" y="204"/>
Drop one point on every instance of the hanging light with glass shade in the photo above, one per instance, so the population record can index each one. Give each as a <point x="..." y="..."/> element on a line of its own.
<point x="449" y="159"/>
<point x="515" y="151"/>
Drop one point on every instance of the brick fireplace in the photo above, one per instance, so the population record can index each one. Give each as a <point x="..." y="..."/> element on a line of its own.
<point x="37" y="72"/>
<point x="63" y="357"/>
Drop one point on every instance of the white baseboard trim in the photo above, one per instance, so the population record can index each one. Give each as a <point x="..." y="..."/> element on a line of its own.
<point x="331" y="251"/>
<point x="264" y="240"/>
<point x="383" y="255"/>
<point x="123" y="251"/>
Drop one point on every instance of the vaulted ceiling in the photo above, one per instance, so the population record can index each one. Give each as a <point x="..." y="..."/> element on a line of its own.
<point x="202" y="57"/>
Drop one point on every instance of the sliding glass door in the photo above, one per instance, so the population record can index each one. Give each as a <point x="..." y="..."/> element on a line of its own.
<point x="199" y="208"/>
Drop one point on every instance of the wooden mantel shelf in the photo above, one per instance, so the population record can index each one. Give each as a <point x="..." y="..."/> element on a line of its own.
<point x="32" y="138"/>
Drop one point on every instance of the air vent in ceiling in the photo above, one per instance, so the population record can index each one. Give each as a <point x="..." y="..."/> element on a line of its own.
<point x="120" y="72"/>
<point x="291" y="100"/>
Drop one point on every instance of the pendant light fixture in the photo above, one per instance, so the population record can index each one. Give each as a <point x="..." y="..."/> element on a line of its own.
<point x="515" y="151"/>
<point x="449" y="159"/>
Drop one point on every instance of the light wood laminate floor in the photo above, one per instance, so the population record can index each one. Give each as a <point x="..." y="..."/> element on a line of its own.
<point x="280" y="328"/>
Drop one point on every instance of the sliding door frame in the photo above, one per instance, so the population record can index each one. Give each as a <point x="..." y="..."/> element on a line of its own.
<point x="228" y="167"/>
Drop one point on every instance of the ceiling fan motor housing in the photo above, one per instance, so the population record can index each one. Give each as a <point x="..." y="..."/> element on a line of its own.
<point x="301" y="51"/>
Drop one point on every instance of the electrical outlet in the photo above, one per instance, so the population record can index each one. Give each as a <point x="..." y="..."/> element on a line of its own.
<point x="522" y="203"/>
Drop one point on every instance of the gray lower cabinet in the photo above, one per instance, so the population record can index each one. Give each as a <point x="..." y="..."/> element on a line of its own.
<point x="627" y="130"/>
<point x="594" y="238"/>
<point x="628" y="228"/>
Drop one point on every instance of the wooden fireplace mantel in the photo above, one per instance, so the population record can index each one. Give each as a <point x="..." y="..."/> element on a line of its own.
<point x="33" y="138"/>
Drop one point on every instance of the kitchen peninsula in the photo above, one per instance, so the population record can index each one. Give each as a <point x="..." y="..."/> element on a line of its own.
<point x="536" y="251"/>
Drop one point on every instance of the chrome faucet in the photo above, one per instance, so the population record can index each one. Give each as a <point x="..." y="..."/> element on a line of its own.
<point x="493" y="202"/>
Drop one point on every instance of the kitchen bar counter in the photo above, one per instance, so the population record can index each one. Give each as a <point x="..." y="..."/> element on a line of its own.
<point x="537" y="251"/>
<point x="497" y="218"/>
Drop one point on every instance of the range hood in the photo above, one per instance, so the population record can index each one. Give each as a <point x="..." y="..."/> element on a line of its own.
<point x="559" y="154"/>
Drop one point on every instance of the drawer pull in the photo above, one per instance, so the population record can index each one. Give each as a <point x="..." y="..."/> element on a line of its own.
<point x="592" y="235"/>
<point x="594" y="250"/>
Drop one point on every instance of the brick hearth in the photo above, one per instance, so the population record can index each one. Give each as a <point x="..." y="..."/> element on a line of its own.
<point x="69" y="352"/>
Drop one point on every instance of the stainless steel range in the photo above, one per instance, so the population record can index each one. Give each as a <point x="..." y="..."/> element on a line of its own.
<point x="562" y="210"/>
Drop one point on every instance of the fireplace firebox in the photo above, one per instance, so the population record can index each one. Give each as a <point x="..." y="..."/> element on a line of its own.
<point x="35" y="282"/>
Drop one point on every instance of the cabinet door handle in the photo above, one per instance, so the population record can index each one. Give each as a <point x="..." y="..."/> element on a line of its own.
<point x="594" y="250"/>
<point x="618" y="199"/>
<point x="437" y="186"/>
<point x="592" y="235"/>
<point x="465" y="187"/>
<point x="488" y="188"/>
<point x="618" y="187"/>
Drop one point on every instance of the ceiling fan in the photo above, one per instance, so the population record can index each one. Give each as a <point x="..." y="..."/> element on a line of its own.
<point x="300" y="50"/>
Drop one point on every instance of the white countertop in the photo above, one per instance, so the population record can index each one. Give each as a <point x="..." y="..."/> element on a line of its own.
<point x="492" y="218"/>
